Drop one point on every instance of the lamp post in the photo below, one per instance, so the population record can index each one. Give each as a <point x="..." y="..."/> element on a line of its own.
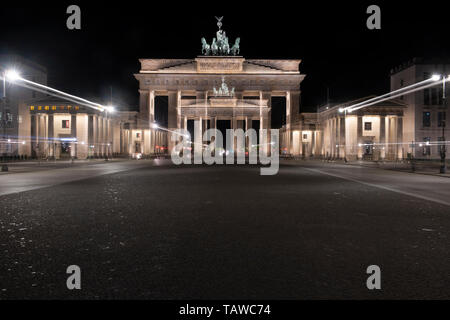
<point x="11" y="75"/>
<point x="443" y="119"/>
<point x="3" y="120"/>
<point x="109" y="110"/>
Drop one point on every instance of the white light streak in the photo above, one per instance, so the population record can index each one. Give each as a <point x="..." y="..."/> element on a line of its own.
<point x="365" y="104"/>
<point x="396" y="93"/>
<point x="18" y="80"/>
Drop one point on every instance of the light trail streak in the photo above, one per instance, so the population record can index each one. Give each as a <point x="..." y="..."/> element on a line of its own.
<point x="57" y="93"/>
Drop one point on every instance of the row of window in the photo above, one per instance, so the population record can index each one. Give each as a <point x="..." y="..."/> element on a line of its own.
<point x="426" y="119"/>
<point x="426" y="146"/>
<point x="431" y="96"/>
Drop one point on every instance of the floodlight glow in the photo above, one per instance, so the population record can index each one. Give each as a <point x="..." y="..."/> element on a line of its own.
<point x="436" y="77"/>
<point x="154" y="125"/>
<point x="12" y="75"/>
<point x="341" y="110"/>
<point x="110" y="109"/>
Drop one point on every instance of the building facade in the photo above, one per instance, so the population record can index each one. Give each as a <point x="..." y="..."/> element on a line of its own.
<point x="425" y="116"/>
<point x="14" y="115"/>
<point x="62" y="129"/>
<point x="410" y="126"/>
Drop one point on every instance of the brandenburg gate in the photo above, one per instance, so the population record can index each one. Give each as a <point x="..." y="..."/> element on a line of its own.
<point x="218" y="85"/>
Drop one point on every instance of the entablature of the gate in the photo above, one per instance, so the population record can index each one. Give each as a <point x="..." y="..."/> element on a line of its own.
<point x="224" y="103"/>
<point x="204" y="82"/>
<point x="223" y="112"/>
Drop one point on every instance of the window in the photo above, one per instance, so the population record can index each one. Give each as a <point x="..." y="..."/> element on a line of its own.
<point x="426" y="146"/>
<point x="426" y="97"/>
<point x="441" y="118"/>
<point x="426" y="120"/>
<point x="305" y="136"/>
<point x="138" y="135"/>
<point x="368" y="126"/>
<point x="66" y="124"/>
<point x="9" y="116"/>
<point x="434" y="96"/>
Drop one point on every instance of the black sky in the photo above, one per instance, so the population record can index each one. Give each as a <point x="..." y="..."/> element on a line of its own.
<point x="331" y="38"/>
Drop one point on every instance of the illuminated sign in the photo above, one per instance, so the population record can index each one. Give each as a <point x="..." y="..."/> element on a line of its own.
<point x="54" y="108"/>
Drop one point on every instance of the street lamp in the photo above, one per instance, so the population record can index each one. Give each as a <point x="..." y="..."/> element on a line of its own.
<point x="436" y="77"/>
<point x="108" y="110"/>
<point x="8" y="75"/>
<point x="444" y="120"/>
<point x="12" y="75"/>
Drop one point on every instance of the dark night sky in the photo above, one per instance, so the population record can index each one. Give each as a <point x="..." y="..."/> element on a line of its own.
<point x="331" y="38"/>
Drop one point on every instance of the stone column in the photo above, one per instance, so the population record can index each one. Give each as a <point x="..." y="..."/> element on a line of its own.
<point x="109" y="138"/>
<point x="332" y="138"/>
<point x="144" y="104"/>
<point x="337" y="137"/>
<point x="359" y="133"/>
<point x="151" y="104"/>
<point x="51" y="137"/>
<point x="313" y="143"/>
<point x="99" y="140"/>
<point x="130" y="142"/>
<point x="343" y="146"/>
<point x="198" y="137"/>
<point x="382" y="139"/>
<point x="400" y="147"/>
<point x="292" y="108"/>
<point x="179" y="119"/>
<point x="268" y="96"/>
<point x="105" y="136"/>
<point x="73" y="133"/>
<point x="91" y="135"/>
<point x="172" y="117"/>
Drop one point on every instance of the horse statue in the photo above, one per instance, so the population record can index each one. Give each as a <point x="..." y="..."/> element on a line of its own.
<point x="235" y="48"/>
<point x="205" y="47"/>
<point x="225" y="47"/>
<point x="214" y="47"/>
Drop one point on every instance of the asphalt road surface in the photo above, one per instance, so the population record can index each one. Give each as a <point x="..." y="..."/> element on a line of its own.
<point x="144" y="229"/>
